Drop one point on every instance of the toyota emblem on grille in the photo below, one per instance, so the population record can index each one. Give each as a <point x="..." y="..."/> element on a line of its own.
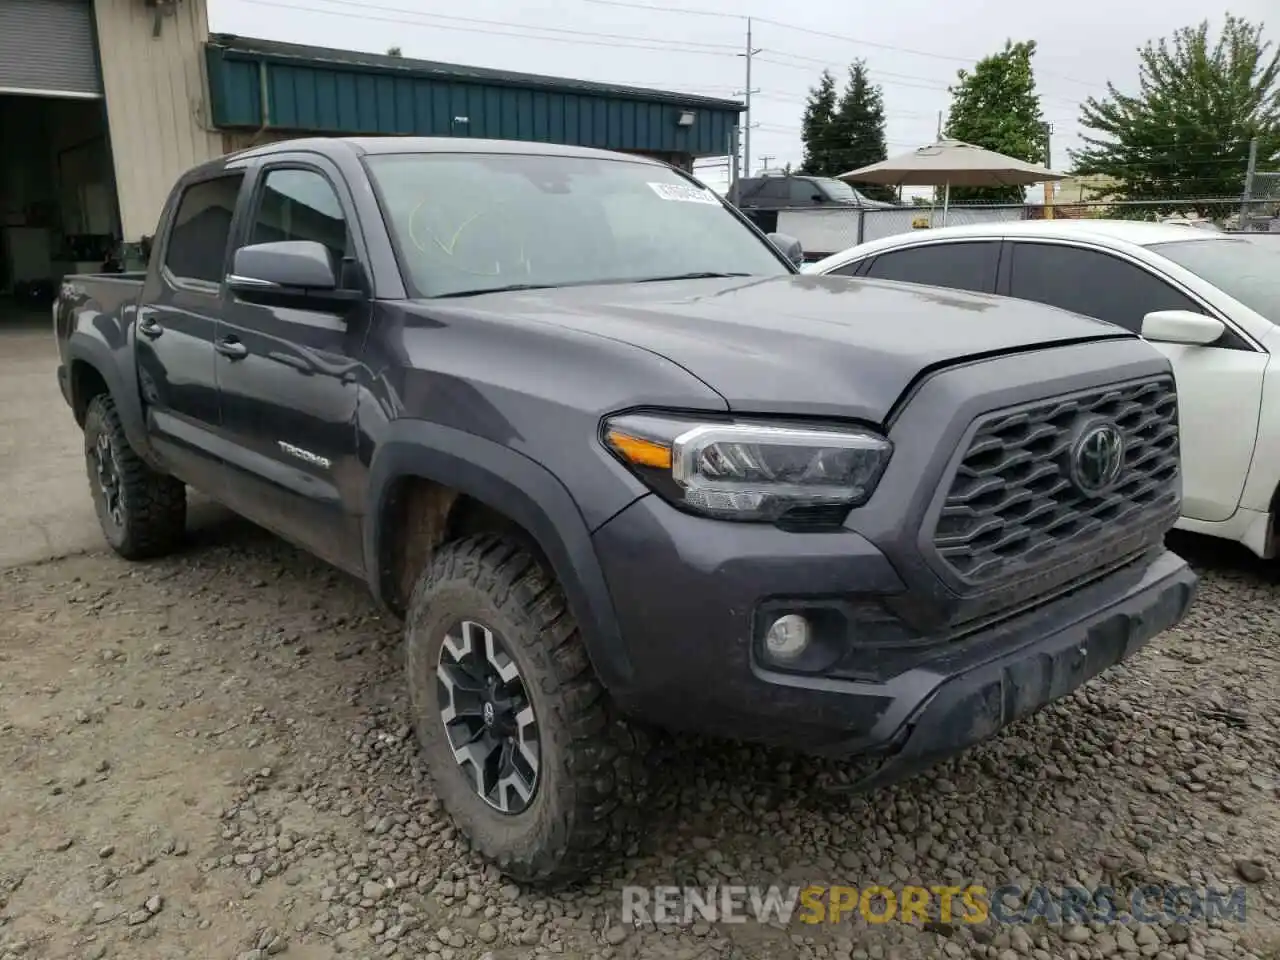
<point x="1097" y="457"/>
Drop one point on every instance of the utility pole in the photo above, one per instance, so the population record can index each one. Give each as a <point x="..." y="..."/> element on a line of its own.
<point x="764" y="163"/>
<point x="939" y="126"/>
<point x="734" y="157"/>
<point x="746" y="136"/>
<point x="1248" y="184"/>
<point x="1048" y="162"/>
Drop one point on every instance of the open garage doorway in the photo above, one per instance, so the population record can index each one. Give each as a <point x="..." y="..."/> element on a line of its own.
<point x="58" y="210"/>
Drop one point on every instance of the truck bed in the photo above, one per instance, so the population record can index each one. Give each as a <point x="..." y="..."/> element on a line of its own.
<point x="106" y="291"/>
<point x="105" y="294"/>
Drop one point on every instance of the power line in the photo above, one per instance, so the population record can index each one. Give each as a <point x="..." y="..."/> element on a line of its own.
<point x="661" y="9"/>
<point x="621" y="41"/>
<point x="594" y="38"/>
<point x="902" y="79"/>
<point x="689" y="11"/>
<point x="591" y="37"/>
<point x="506" y="23"/>
<point x="580" y="37"/>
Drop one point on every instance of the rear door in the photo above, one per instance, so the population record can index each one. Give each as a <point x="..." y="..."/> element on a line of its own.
<point x="289" y="376"/>
<point x="1219" y="386"/>
<point x="176" y="325"/>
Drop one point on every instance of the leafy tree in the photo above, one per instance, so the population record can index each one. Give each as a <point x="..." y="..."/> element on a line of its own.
<point x="819" y="110"/>
<point x="1184" y="135"/>
<point x="996" y="106"/>
<point x="393" y="52"/>
<point x="856" y="133"/>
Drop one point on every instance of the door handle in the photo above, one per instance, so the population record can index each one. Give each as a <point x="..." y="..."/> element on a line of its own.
<point x="231" y="348"/>
<point x="149" y="328"/>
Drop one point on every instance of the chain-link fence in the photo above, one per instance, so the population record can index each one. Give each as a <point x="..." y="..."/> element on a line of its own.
<point x="824" y="231"/>
<point x="1262" y="193"/>
<point x="1224" y="213"/>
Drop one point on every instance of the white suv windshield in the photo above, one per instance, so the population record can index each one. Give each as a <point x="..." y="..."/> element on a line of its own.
<point x="1247" y="270"/>
<point x="469" y="223"/>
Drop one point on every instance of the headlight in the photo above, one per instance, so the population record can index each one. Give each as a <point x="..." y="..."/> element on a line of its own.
<point x="745" y="471"/>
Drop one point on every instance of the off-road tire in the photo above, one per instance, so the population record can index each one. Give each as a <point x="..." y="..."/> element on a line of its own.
<point x="153" y="506"/>
<point x="586" y="809"/>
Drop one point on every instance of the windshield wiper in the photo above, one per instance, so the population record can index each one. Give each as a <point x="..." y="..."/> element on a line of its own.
<point x="516" y="287"/>
<point x="509" y="288"/>
<point x="702" y="275"/>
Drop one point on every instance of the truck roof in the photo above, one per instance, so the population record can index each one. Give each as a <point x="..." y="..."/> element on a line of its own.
<point x="360" y="146"/>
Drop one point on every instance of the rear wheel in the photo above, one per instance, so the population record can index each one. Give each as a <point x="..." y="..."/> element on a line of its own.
<point x="519" y="737"/>
<point x="142" y="513"/>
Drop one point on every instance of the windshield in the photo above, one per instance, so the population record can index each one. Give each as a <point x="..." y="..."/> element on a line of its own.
<point x="469" y="223"/>
<point x="1249" y="272"/>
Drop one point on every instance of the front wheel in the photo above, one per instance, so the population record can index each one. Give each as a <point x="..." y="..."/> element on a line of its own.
<point x="142" y="513"/>
<point x="519" y="737"/>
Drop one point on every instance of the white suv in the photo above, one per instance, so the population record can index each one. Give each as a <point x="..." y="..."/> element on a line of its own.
<point x="1210" y="301"/>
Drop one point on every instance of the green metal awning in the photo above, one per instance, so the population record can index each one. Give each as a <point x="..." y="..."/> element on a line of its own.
<point x="319" y="90"/>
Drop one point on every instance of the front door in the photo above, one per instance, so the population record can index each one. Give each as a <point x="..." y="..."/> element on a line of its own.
<point x="1219" y="385"/>
<point x="289" y="378"/>
<point x="175" y="330"/>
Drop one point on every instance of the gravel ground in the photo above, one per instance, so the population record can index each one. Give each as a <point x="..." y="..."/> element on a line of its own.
<point x="209" y="757"/>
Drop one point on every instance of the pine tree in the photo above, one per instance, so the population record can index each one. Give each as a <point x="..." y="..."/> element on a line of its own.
<point x="857" y="130"/>
<point x="996" y="106"/>
<point x="815" y="126"/>
<point x="1184" y="135"/>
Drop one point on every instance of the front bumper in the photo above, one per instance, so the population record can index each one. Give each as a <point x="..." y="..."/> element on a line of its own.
<point x="687" y="593"/>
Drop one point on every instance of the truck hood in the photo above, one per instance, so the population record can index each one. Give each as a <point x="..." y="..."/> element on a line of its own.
<point x="798" y="345"/>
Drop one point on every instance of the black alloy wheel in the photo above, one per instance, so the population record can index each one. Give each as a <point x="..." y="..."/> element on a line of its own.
<point x="487" y="716"/>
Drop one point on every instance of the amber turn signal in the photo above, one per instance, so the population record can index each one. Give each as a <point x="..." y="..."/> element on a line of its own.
<point x="639" y="452"/>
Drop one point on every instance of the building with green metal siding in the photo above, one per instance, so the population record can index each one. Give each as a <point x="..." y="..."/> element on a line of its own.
<point x="261" y="89"/>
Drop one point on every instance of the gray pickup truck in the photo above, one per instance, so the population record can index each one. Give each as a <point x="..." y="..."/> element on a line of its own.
<point x="615" y="463"/>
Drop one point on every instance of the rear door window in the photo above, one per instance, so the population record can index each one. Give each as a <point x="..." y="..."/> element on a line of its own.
<point x="960" y="266"/>
<point x="197" y="245"/>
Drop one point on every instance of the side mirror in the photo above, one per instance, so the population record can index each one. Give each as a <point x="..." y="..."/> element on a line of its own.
<point x="288" y="270"/>
<point x="1181" y="326"/>
<point x="789" y="246"/>
<point x="290" y="264"/>
<point x="818" y="198"/>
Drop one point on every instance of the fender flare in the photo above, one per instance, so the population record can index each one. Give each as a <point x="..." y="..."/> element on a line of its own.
<point x="520" y="489"/>
<point x="83" y="348"/>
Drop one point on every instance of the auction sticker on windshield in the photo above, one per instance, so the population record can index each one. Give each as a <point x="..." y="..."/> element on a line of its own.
<point x="684" y="193"/>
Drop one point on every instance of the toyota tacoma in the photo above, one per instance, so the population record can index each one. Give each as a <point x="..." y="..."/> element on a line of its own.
<point x="617" y="465"/>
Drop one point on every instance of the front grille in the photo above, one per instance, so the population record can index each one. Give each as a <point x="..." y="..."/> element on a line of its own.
<point x="1013" y="518"/>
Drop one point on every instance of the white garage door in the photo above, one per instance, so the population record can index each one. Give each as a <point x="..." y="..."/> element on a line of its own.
<point x="47" y="48"/>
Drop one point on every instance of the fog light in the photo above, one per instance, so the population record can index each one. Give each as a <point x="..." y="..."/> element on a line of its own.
<point x="788" y="637"/>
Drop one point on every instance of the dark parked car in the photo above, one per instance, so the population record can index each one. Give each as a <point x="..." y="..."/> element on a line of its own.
<point x="613" y="460"/>
<point x="762" y="198"/>
<point x="794" y="190"/>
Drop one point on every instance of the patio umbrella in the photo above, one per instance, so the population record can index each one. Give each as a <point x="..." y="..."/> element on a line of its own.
<point x="952" y="162"/>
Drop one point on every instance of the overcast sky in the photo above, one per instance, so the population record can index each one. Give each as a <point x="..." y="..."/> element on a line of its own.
<point x="913" y="47"/>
